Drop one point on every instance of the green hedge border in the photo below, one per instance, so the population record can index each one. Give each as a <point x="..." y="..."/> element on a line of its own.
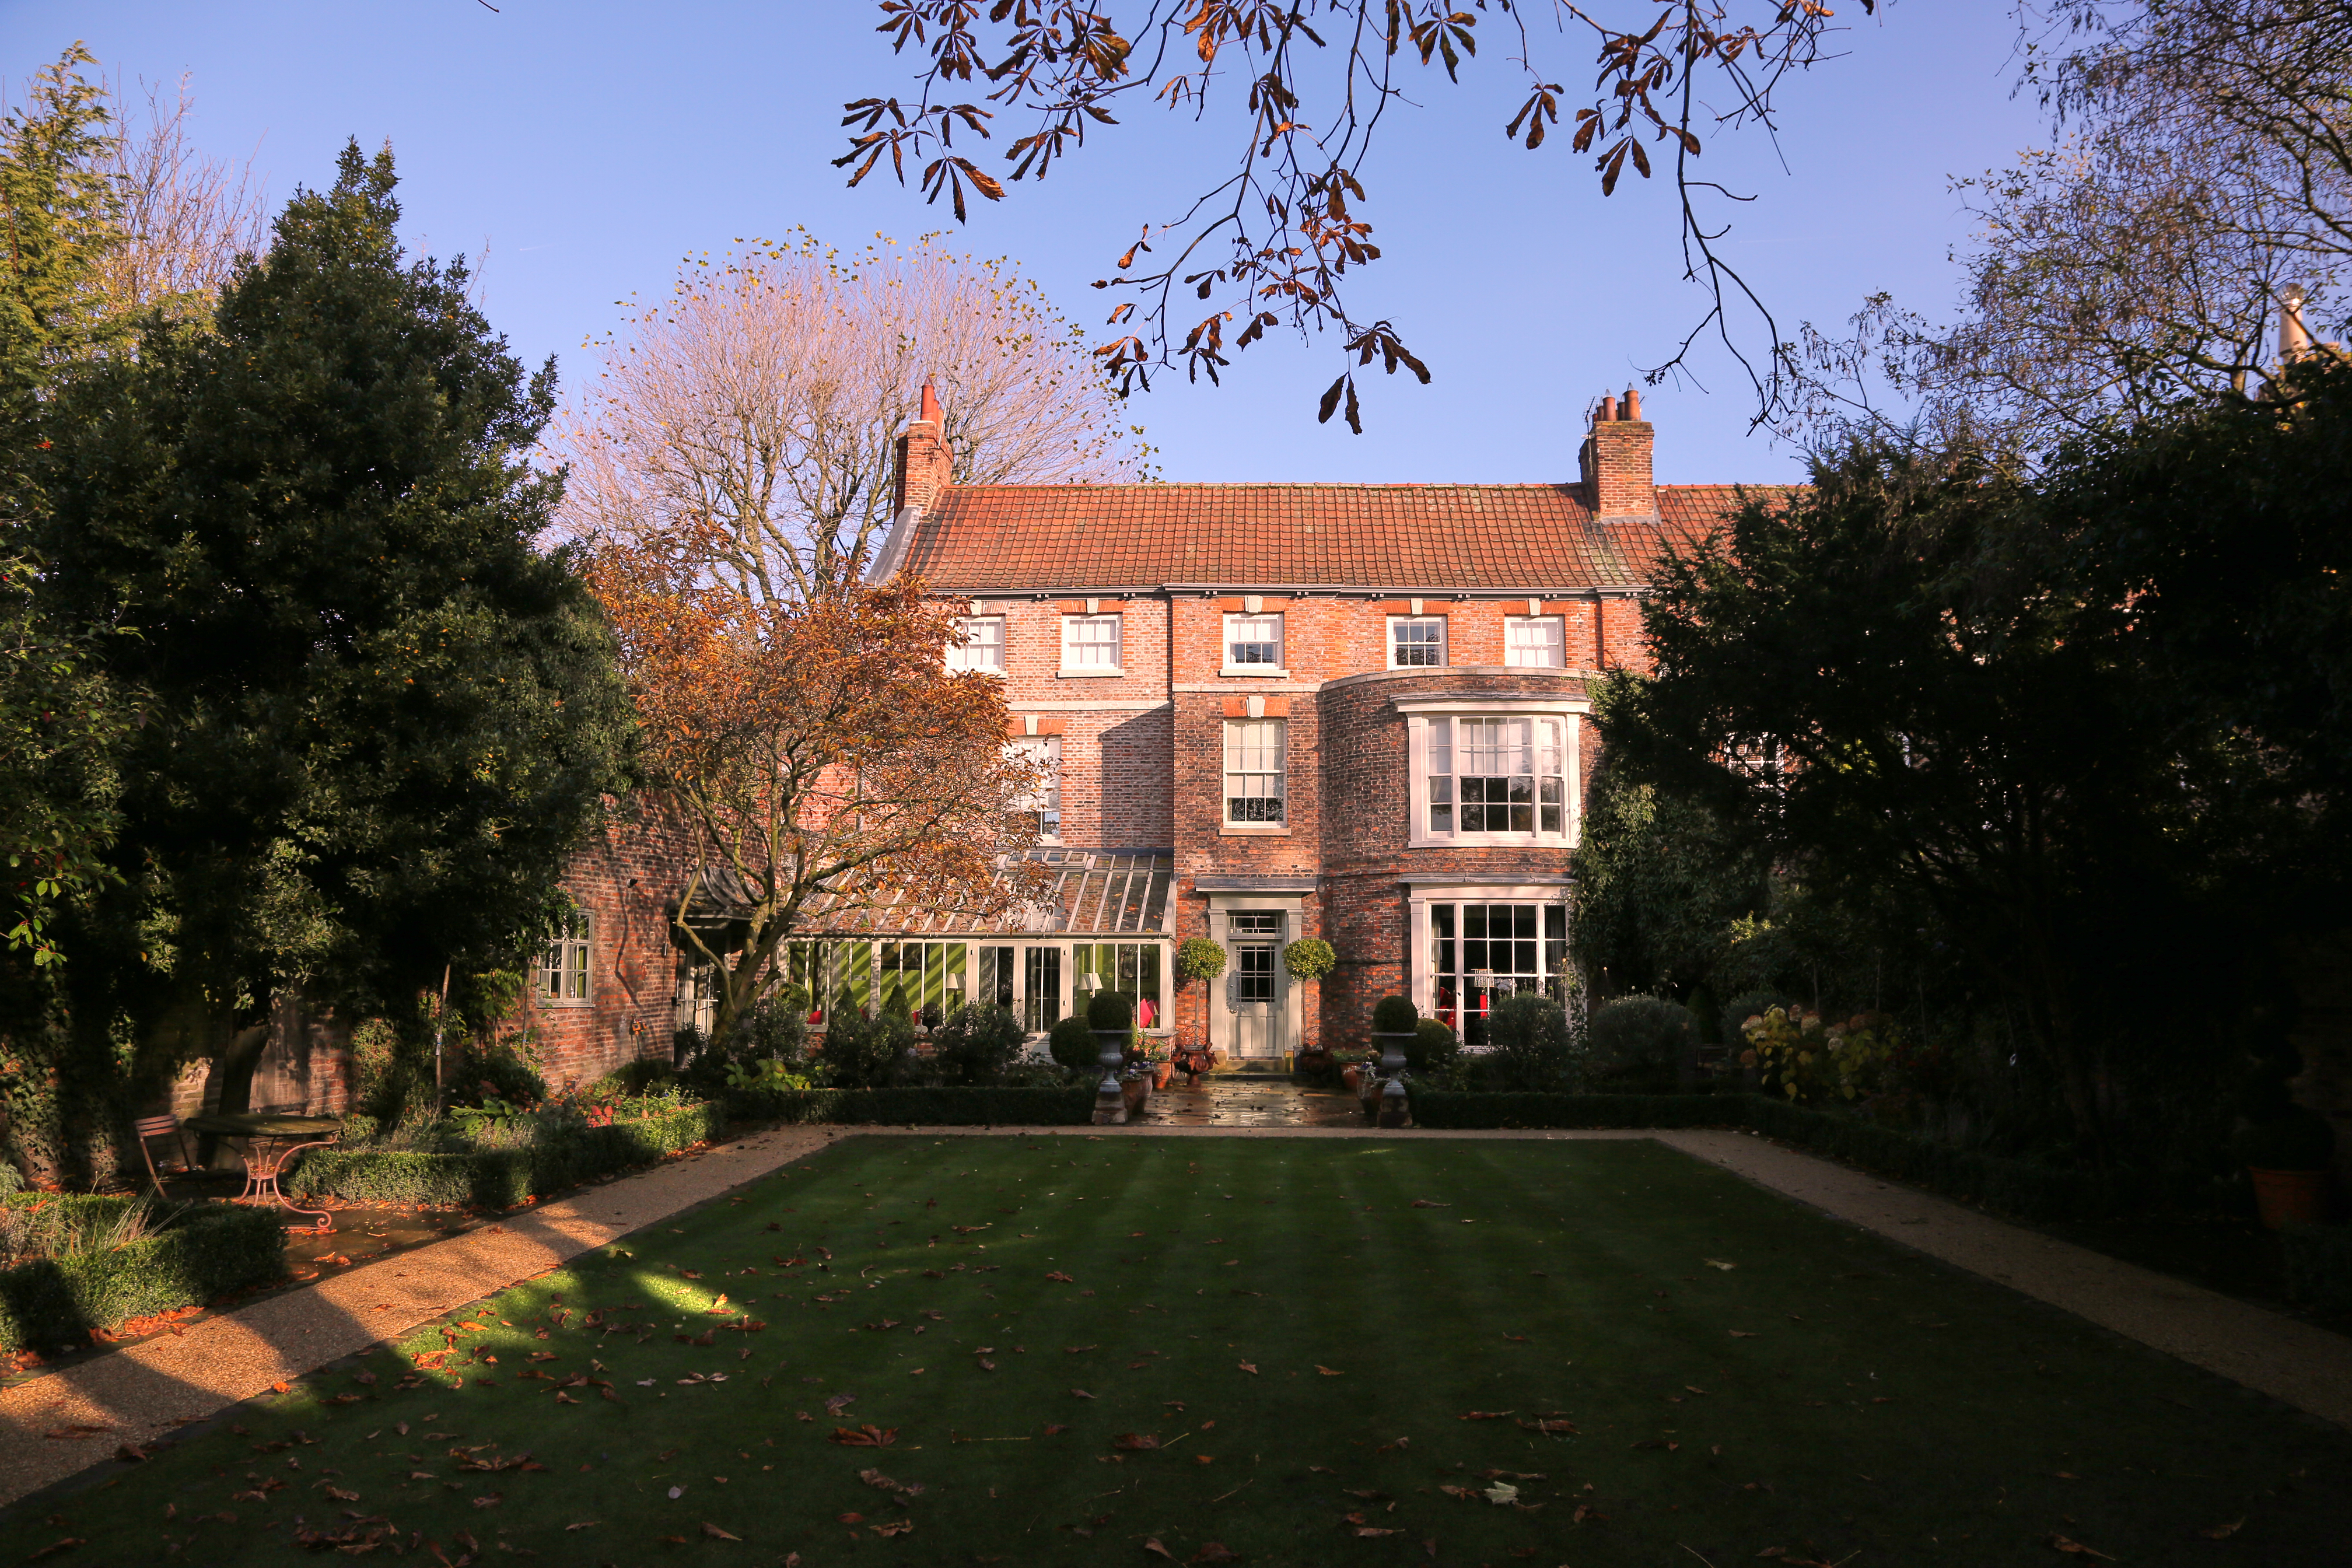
<point x="2021" y="1187"/>
<point x="503" y="1178"/>
<point x="58" y="1302"/>
<point x="960" y="1107"/>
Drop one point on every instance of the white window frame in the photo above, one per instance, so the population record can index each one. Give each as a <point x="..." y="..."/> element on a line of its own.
<point x="1422" y="935"/>
<point x="566" y="976"/>
<point x="1280" y="774"/>
<point x="1232" y="665"/>
<point x="1557" y="646"/>
<point x="1419" y="721"/>
<point x="1445" y="640"/>
<point x="960" y="651"/>
<point x="1117" y="643"/>
<point x="1047" y="802"/>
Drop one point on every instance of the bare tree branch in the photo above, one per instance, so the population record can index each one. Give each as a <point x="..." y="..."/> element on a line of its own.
<point x="1272" y="243"/>
<point x="745" y="428"/>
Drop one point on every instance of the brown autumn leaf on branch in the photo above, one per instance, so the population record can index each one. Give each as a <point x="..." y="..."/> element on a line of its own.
<point x="1298" y="93"/>
<point x="819" y="758"/>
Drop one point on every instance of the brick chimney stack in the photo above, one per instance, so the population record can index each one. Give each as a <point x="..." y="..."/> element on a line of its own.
<point x="924" y="466"/>
<point x="1615" y="460"/>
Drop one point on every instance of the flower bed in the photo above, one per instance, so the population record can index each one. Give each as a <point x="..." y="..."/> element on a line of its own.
<point x="503" y="1177"/>
<point x="206" y="1251"/>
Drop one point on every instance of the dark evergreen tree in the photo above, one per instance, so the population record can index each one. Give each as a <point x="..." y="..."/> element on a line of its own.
<point x="380" y="716"/>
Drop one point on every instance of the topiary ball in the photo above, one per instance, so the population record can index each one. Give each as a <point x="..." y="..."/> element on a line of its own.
<point x="1072" y="1044"/>
<point x="1395" y="1015"/>
<point x="1110" y="1010"/>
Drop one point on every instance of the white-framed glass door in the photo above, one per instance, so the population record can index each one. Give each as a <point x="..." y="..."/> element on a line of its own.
<point x="1253" y="982"/>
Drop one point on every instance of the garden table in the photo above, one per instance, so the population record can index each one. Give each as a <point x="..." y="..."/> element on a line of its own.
<point x="270" y="1139"/>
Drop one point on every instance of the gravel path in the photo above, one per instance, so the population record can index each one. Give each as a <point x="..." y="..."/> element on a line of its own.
<point x="145" y="1391"/>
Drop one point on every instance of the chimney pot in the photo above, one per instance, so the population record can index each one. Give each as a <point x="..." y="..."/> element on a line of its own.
<point x="930" y="402"/>
<point x="1608" y="410"/>
<point x="1633" y="403"/>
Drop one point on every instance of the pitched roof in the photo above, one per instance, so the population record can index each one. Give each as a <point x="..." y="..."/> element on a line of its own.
<point x="1033" y="538"/>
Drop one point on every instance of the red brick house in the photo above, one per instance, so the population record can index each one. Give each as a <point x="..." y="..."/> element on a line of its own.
<point x="1352" y="711"/>
<point x="1273" y="712"/>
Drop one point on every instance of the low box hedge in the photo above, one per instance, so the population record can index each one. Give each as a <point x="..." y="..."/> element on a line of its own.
<point x="2319" y="1266"/>
<point x="2023" y="1187"/>
<point x="58" y="1301"/>
<point x="960" y="1107"/>
<point x="502" y="1178"/>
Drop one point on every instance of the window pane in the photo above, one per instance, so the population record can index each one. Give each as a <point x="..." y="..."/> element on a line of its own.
<point x="1418" y="641"/>
<point x="979" y="644"/>
<point x="1534" y="641"/>
<point x="1254" y="640"/>
<point x="1090" y="642"/>
<point x="1253" y="770"/>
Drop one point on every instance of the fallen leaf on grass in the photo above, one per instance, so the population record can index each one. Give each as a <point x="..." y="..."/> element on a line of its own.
<point x="901" y="1526"/>
<point x="490" y="1500"/>
<point x="1151" y="1544"/>
<point x="1327" y="1372"/>
<point x="68" y="1544"/>
<point x="2224" y="1532"/>
<point x="1502" y="1492"/>
<point x="864" y="1437"/>
<point x="1463" y="1493"/>
<point x="1548" y="1425"/>
<point x="1061" y="1278"/>
<point x="715" y="1534"/>
<point x="1657" y="1443"/>
<point x="1718" y="1263"/>
<point x="583" y="1524"/>
<point x="1426" y="1203"/>
<point x="2077" y="1549"/>
<point x="1135" y="1440"/>
<point x="1247" y="1367"/>
<point x="1741" y="1334"/>
<point x="1371" y="1530"/>
<point x="1485" y="1415"/>
<point x="1082" y="1393"/>
<point x="1216" y="1551"/>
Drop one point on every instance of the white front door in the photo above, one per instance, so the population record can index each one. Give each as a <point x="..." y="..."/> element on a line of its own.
<point x="1255" y="939"/>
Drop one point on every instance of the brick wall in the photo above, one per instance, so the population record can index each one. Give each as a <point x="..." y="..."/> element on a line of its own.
<point x="624" y="877"/>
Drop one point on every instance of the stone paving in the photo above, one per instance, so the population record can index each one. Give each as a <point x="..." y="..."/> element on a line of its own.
<point x="64" y="1422"/>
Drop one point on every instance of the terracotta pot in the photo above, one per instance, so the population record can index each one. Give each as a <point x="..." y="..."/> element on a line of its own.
<point x="1137" y="1091"/>
<point x="2283" y="1195"/>
<point x="1352" y="1075"/>
<point x="1161" y="1072"/>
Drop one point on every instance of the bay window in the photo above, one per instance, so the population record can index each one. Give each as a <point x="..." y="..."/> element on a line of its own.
<point x="1493" y="778"/>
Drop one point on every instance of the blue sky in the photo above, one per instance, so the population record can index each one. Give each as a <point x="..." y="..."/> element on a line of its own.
<point x="589" y="145"/>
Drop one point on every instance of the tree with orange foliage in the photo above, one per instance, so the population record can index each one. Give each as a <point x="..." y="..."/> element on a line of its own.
<point x="822" y="758"/>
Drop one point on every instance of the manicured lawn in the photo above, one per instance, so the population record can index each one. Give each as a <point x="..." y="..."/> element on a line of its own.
<point x="1301" y="1341"/>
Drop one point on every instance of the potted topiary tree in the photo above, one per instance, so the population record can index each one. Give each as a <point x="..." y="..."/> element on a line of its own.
<point x="1197" y="958"/>
<point x="1308" y="959"/>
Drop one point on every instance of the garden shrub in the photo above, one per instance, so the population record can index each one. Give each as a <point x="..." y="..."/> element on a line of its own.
<point x="2318" y="1265"/>
<point x="546" y="1157"/>
<point x="867" y="1053"/>
<point x="1072" y="1044"/>
<point x="977" y="1043"/>
<point x="1110" y="1010"/>
<point x="1434" y="1049"/>
<point x="952" y="1106"/>
<point x="494" y="1070"/>
<point x="1310" y="958"/>
<point x="1395" y="1015"/>
<point x="629" y="1080"/>
<point x="1744" y="1006"/>
<point x="206" y="1251"/>
<point x="1642" y="1041"/>
<point x="1533" y="1047"/>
